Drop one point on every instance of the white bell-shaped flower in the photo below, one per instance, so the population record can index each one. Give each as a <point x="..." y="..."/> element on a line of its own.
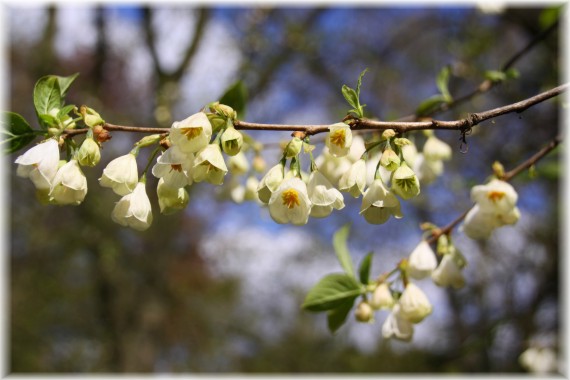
<point x="390" y="160"/>
<point x="448" y="272"/>
<point x="121" y="174"/>
<point x="379" y="203"/>
<point x="39" y="164"/>
<point x="479" y="224"/>
<point x="290" y="202"/>
<point x="404" y="182"/>
<point x="354" y="180"/>
<point x="427" y="170"/>
<point x="69" y="185"/>
<point x="414" y="305"/>
<point x="238" y="164"/>
<point x="422" y="261"/>
<point x="191" y="134"/>
<point x="174" y="167"/>
<point x="397" y="326"/>
<point x="497" y="196"/>
<point x="332" y="167"/>
<point x="89" y="154"/>
<point x="339" y="139"/>
<point x="270" y="182"/>
<point x="357" y="148"/>
<point x="209" y="165"/>
<point x="382" y="297"/>
<point x="133" y="210"/>
<point x="434" y="149"/>
<point x="171" y="199"/>
<point x="323" y="196"/>
<point x="410" y="153"/>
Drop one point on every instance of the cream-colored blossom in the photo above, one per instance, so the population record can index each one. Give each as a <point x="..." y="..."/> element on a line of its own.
<point x="134" y="210"/>
<point x="414" y="305"/>
<point x="364" y="312"/>
<point x="290" y="202"/>
<point x="323" y="196"/>
<point x="69" y="185"/>
<point x="175" y="167"/>
<point x="89" y="153"/>
<point x="238" y="164"/>
<point x="191" y="134"/>
<point x="497" y="196"/>
<point x="354" y="180"/>
<point x="39" y="164"/>
<point x="339" y="139"/>
<point x="434" y="149"/>
<point x="397" y="326"/>
<point x="390" y="160"/>
<point x="422" y="261"/>
<point x="270" y="182"/>
<point x="121" y="174"/>
<point x="209" y="165"/>
<point x="382" y="297"/>
<point x="171" y="199"/>
<point x="231" y="140"/>
<point x="379" y="203"/>
<point x="404" y="182"/>
<point x="448" y="272"/>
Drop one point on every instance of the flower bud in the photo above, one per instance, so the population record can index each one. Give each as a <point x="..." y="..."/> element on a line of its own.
<point x="388" y="134"/>
<point x="89" y="153"/>
<point x="232" y="141"/>
<point x="390" y="160"/>
<point x="90" y="117"/>
<point x="422" y="261"/>
<point x="382" y="297"/>
<point x="171" y="199"/>
<point x="404" y="182"/>
<point x="224" y="110"/>
<point x="414" y="305"/>
<point x="294" y="147"/>
<point x="364" y="312"/>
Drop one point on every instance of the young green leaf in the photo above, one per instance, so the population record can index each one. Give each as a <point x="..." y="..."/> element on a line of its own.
<point x="331" y="292"/>
<point x="351" y="96"/>
<point x="337" y="316"/>
<point x="236" y="97"/>
<point x="64" y="83"/>
<point x="17" y="131"/>
<point x="65" y="111"/>
<point x="359" y="83"/>
<point x="47" y="96"/>
<point x="429" y="105"/>
<point x="339" y="244"/>
<point x="364" y="269"/>
<point x="442" y="82"/>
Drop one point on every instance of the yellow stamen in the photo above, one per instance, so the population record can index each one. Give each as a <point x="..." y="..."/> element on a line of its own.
<point x="338" y="138"/>
<point x="495" y="195"/>
<point x="290" y="198"/>
<point x="192" y="132"/>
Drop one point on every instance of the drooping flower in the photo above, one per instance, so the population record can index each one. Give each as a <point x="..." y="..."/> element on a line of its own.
<point x="89" y="153"/>
<point x="39" y="164"/>
<point x="209" y="165"/>
<point x="290" y="202"/>
<point x="434" y="149"/>
<point x="121" y="174"/>
<point x="448" y="272"/>
<point x="379" y="203"/>
<point x="497" y="196"/>
<point x="410" y="153"/>
<point x="390" y="160"/>
<point x="332" y="167"/>
<point x="339" y="139"/>
<point x="382" y="297"/>
<point x="174" y="167"/>
<point x="414" y="305"/>
<point x="323" y="196"/>
<point x="232" y="140"/>
<point x="69" y="185"/>
<point x="191" y="134"/>
<point x="171" y="199"/>
<point x="427" y="170"/>
<point x="479" y="224"/>
<point x="422" y="261"/>
<point x="238" y="164"/>
<point x="134" y="210"/>
<point x="404" y="182"/>
<point x="353" y="181"/>
<point x="397" y="326"/>
<point x="269" y="183"/>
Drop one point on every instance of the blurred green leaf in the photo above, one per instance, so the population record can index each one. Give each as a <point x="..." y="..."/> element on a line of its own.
<point x="512" y="73"/>
<point x="64" y="83"/>
<point x="332" y="291"/>
<point x="430" y="104"/>
<point x="549" y="16"/>
<point x="442" y="82"/>
<point x="495" y="75"/>
<point x="236" y="97"/>
<point x="364" y="269"/>
<point x="65" y="111"/>
<point x="359" y="82"/>
<point x="337" y="316"/>
<point x="339" y="243"/>
<point x="47" y="96"/>
<point x="17" y="131"/>
<point x="350" y="96"/>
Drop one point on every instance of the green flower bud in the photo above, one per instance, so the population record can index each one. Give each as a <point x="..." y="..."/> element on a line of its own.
<point x="232" y="141"/>
<point x="390" y="160"/>
<point x="91" y="117"/>
<point x="223" y="110"/>
<point x="405" y="183"/>
<point x="388" y="134"/>
<point x="294" y="147"/>
<point x="364" y="312"/>
<point x="89" y="153"/>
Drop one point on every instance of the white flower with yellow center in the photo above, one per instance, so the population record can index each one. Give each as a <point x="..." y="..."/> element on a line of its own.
<point x="174" y="167"/>
<point x="479" y="224"/>
<point x="69" y="185"/>
<point x="339" y="139"/>
<point x="404" y="182"/>
<point x="397" y="326"/>
<point x="171" y="199"/>
<point x="497" y="196"/>
<point x="434" y="149"/>
<point x="192" y="133"/>
<point x="382" y="297"/>
<point x="270" y="182"/>
<point x="290" y="203"/>
<point x="39" y="164"/>
<point x="379" y="203"/>
<point x="414" y="305"/>
<point x="133" y="210"/>
<point x="448" y="272"/>
<point x="121" y="174"/>
<point x="209" y="165"/>
<point x="323" y="196"/>
<point x="422" y="261"/>
<point x="353" y="181"/>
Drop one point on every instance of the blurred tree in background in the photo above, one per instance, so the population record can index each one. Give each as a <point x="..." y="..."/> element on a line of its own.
<point x="217" y="288"/>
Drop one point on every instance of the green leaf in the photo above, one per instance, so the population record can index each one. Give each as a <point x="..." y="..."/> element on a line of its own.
<point x="17" y="131"/>
<point x="339" y="244"/>
<point x="359" y="83"/>
<point x="47" y="96"/>
<point x="442" y="82"/>
<point x="512" y="73"/>
<point x="495" y="75"/>
<point x="64" y="83"/>
<point x="364" y="269"/>
<point x="350" y="96"/>
<point x="65" y="111"/>
<point x="337" y="316"/>
<point x="236" y="97"/>
<point x="48" y="120"/>
<point x="430" y="105"/>
<point x="331" y="292"/>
